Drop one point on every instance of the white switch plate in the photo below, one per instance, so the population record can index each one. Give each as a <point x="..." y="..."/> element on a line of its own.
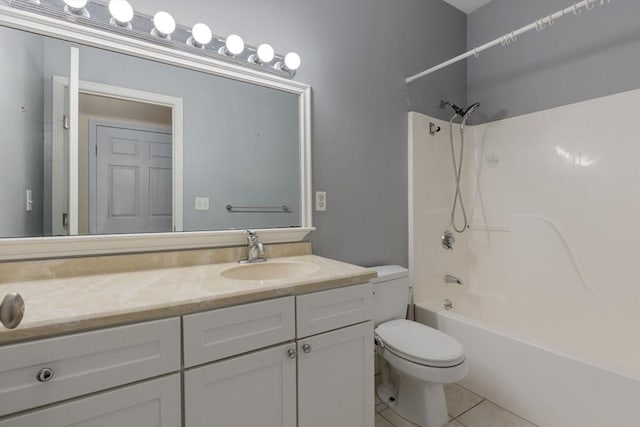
<point x="202" y="204"/>
<point x="321" y="201"/>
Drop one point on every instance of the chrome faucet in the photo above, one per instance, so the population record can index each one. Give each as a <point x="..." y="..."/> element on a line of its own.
<point x="255" y="249"/>
<point x="452" y="279"/>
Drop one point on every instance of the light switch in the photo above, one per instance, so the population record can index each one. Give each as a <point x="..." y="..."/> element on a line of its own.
<point x="202" y="204"/>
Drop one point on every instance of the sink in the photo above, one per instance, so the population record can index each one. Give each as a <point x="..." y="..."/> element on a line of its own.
<point x="270" y="271"/>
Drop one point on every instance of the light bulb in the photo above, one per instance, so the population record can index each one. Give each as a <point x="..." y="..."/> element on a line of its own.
<point x="121" y="11"/>
<point x="76" y="4"/>
<point x="234" y="44"/>
<point x="164" y="24"/>
<point x="201" y="33"/>
<point x="265" y="53"/>
<point x="292" y="61"/>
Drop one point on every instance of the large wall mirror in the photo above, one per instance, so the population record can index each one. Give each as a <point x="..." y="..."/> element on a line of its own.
<point x="163" y="143"/>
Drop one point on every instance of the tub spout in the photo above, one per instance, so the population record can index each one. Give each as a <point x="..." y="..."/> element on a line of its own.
<point x="452" y="279"/>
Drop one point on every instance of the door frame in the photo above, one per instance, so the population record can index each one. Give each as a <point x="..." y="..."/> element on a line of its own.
<point x="60" y="169"/>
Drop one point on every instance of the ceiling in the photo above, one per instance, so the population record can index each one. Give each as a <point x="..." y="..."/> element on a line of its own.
<point x="467" y="6"/>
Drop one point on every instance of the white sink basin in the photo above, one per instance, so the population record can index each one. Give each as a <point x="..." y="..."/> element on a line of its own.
<point x="270" y="270"/>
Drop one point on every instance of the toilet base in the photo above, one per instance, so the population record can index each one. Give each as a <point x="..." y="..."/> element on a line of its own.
<point x="421" y="402"/>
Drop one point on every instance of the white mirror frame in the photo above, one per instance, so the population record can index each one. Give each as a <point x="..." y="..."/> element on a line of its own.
<point x="67" y="246"/>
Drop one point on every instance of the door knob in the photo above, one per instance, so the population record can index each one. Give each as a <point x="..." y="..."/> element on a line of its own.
<point x="12" y="310"/>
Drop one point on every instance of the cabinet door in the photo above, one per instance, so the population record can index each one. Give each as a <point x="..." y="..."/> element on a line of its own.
<point x="335" y="378"/>
<point x="150" y="404"/>
<point x="257" y="389"/>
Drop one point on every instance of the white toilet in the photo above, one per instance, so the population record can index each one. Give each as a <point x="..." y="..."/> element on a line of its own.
<point x="416" y="359"/>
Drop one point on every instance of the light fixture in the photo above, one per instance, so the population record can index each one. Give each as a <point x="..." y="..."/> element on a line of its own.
<point x="200" y="36"/>
<point x="119" y="17"/>
<point x="264" y="54"/>
<point x="290" y="63"/>
<point x="121" y="13"/>
<point x="76" y="7"/>
<point x="164" y="25"/>
<point x="234" y="45"/>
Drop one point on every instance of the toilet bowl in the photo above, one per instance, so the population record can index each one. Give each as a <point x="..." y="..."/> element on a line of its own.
<point x="416" y="360"/>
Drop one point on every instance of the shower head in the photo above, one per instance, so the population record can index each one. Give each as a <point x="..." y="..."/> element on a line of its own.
<point x="469" y="111"/>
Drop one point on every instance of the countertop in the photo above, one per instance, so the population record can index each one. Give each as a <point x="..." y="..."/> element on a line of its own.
<point x="75" y="304"/>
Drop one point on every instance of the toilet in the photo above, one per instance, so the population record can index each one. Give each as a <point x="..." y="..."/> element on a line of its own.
<point x="416" y="359"/>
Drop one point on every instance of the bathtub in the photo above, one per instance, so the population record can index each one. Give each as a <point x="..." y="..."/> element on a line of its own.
<point x="591" y="379"/>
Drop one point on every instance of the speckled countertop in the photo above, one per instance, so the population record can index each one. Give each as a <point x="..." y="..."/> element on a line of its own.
<point x="73" y="304"/>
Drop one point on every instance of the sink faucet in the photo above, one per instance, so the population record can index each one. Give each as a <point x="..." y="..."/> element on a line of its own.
<point x="255" y="249"/>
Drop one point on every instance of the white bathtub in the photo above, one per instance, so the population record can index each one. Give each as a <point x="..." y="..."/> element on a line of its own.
<point x="527" y="367"/>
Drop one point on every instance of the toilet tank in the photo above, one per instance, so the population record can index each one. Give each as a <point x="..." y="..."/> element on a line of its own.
<point x="390" y="293"/>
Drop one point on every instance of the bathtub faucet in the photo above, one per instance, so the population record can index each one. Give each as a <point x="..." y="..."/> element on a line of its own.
<point x="452" y="279"/>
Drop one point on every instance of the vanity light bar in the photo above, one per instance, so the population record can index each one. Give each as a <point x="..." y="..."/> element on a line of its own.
<point x="117" y="16"/>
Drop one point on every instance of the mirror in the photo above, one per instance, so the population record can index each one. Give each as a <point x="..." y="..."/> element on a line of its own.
<point x="236" y="163"/>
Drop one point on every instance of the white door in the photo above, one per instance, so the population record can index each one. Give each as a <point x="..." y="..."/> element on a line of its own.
<point x="257" y="389"/>
<point x="335" y="378"/>
<point x="131" y="180"/>
<point x="150" y="404"/>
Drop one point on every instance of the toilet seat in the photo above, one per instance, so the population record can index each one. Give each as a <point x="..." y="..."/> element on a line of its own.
<point x="420" y="344"/>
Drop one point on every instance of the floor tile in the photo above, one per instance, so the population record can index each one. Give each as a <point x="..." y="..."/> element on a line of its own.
<point x="459" y="399"/>
<point x="381" y="422"/>
<point x="395" y="419"/>
<point x="488" y="414"/>
<point x="454" y="423"/>
<point x="380" y="407"/>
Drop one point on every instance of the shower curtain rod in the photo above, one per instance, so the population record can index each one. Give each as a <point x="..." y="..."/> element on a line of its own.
<point x="507" y="38"/>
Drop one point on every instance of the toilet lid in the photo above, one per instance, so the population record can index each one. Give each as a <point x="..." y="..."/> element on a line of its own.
<point x="420" y="344"/>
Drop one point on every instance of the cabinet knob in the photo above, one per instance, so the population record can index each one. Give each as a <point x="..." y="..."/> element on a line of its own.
<point x="291" y="353"/>
<point x="44" y="375"/>
<point x="306" y="348"/>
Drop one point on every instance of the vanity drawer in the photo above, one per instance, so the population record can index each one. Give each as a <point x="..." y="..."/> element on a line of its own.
<point x="150" y="403"/>
<point x="327" y="310"/>
<point x="85" y="363"/>
<point x="216" y="334"/>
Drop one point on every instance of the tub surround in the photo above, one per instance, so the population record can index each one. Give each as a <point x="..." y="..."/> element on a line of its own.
<point x="105" y="295"/>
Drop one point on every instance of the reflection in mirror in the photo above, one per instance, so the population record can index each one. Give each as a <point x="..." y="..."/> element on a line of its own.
<point x="125" y="166"/>
<point x="241" y="145"/>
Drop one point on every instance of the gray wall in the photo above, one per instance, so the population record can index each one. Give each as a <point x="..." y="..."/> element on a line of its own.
<point x="355" y="55"/>
<point x="21" y="87"/>
<point x="578" y="58"/>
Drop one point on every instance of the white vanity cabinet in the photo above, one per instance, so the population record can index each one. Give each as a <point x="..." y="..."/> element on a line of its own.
<point x="335" y="368"/>
<point x="254" y="389"/>
<point x="154" y="403"/>
<point x="318" y="374"/>
<point x="37" y="373"/>
<point x="302" y="361"/>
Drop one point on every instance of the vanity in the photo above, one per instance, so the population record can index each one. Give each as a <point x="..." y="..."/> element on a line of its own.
<point x="137" y="312"/>
<point x="156" y="347"/>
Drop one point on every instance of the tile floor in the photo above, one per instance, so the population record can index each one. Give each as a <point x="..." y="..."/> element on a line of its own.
<point x="466" y="409"/>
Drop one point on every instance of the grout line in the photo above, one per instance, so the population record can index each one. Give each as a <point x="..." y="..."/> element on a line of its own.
<point x="464" y="412"/>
